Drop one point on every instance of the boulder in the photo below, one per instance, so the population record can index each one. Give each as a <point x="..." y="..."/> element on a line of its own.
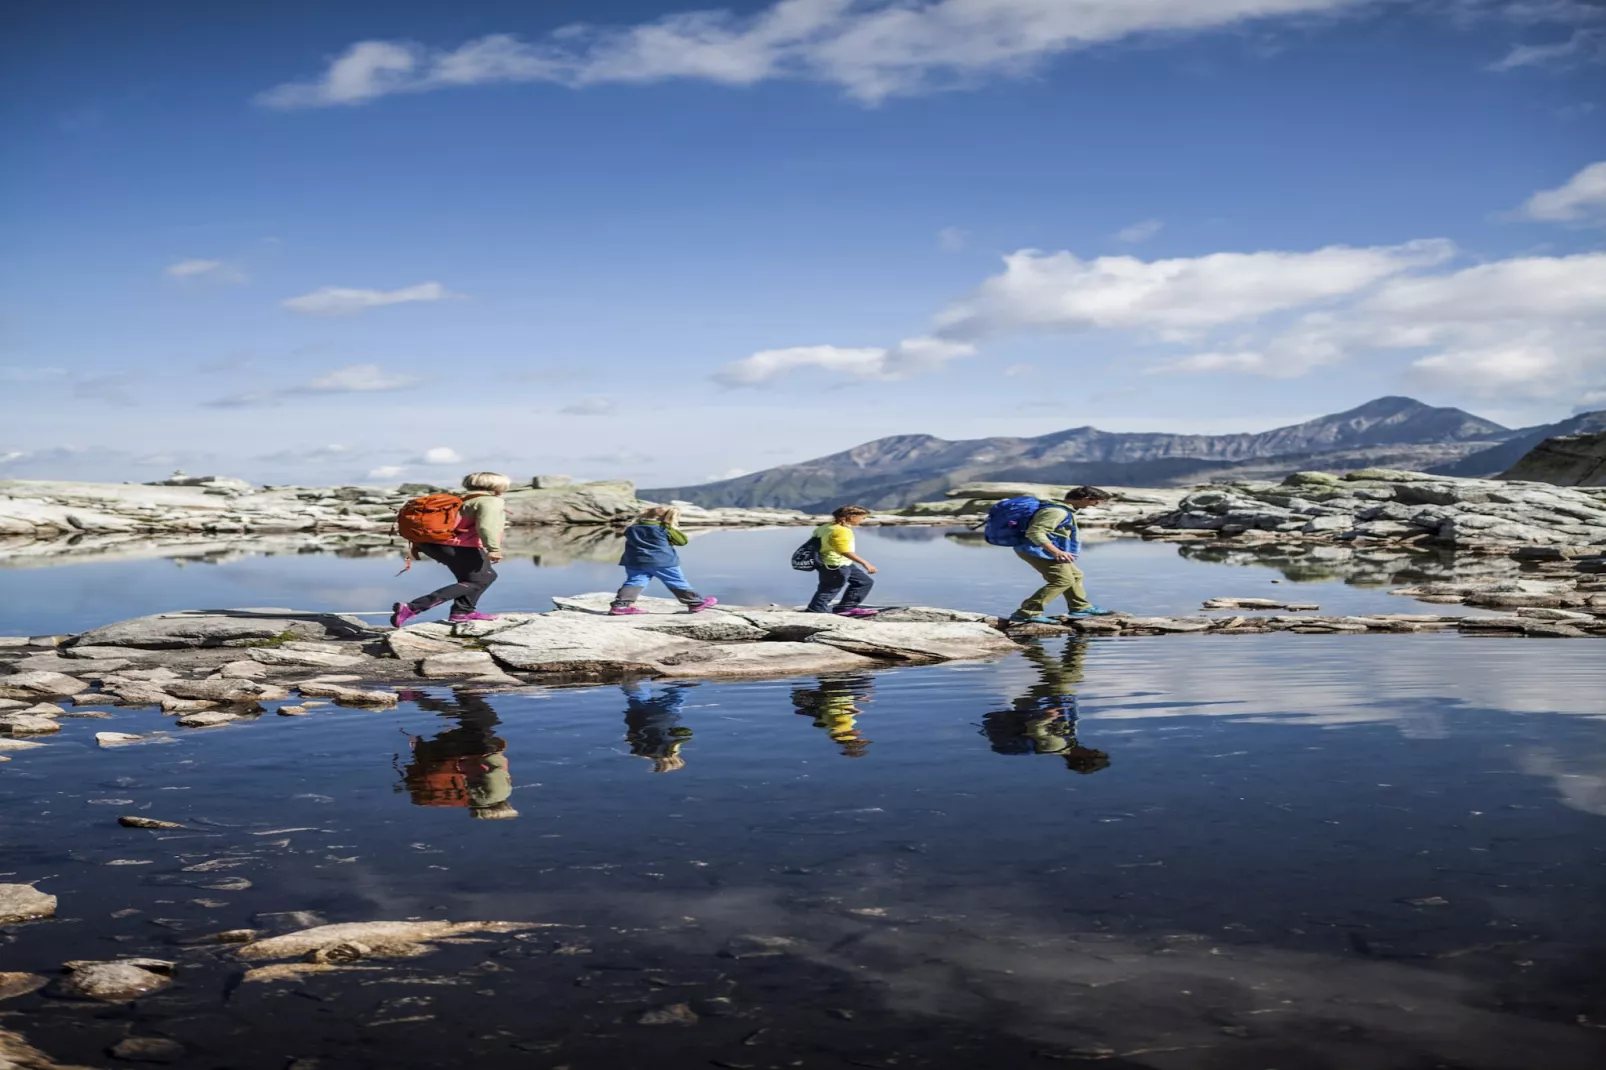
<point x="408" y="645"/>
<point x="24" y="902"/>
<point x="223" y="627"/>
<point x="579" y="503"/>
<point x="118" y="981"/>
<point x="207" y="719"/>
<point x="27" y="724"/>
<point x="18" y="984"/>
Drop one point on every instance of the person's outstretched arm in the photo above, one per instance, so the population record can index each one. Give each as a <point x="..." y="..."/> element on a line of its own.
<point x="1042" y="526"/>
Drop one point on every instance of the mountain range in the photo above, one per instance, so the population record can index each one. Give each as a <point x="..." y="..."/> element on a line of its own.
<point x="1392" y="432"/>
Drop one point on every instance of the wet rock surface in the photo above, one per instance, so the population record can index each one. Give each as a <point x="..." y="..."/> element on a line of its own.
<point x="24" y="902"/>
<point x="113" y="982"/>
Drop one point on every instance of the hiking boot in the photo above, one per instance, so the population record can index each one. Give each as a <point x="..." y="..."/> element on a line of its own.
<point x="1018" y="617"/>
<point x="857" y="612"/>
<point x="1090" y="611"/>
<point x="400" y="614"/>
<point x="707" y="603"/>
<point x="458" y="618"/>
<point x="624" y="611"/>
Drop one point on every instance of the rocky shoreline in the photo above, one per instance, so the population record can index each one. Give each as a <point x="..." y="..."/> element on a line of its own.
<point x="213" y="667"/>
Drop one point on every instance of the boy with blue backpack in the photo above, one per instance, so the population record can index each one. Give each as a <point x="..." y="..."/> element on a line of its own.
<point x="1044" y="535"/>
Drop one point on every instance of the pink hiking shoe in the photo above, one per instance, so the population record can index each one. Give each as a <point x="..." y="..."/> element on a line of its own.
<point x="624" y="611"/>
<point x="400" y="615"/>
<point x="857" y="612"/>
<point x="707" y="603"/>
<point x="458" y="618"/>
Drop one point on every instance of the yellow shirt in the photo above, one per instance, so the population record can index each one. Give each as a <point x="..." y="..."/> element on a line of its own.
<point x="835" y="541"/>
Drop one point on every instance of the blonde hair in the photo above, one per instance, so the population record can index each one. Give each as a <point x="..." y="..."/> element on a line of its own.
<point x="668" y="515"/>
<point x="490" y="482"/>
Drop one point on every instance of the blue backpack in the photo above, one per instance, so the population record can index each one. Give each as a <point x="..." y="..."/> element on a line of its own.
<point x="1008" y="520"/>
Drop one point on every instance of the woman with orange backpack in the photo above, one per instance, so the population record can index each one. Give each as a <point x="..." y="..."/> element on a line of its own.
<point x="462" y="533"/>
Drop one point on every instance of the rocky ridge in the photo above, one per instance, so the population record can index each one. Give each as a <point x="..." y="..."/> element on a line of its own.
<point x="41" y="509"/>
<point x="1389" y="506"/>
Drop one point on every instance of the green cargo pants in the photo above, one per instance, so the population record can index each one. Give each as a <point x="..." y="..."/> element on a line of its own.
<point x="1060" y="578"/>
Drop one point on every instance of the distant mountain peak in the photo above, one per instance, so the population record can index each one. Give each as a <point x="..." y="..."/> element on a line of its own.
<point x="900" y="469"/>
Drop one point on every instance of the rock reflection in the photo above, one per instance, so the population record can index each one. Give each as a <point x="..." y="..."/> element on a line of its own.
<point x="834" y="705"/>
<point x="464" y="766"/>
<point x="1043" y="720"/>
<point x="1358" y="566"/>
<point x="652" y="724"/>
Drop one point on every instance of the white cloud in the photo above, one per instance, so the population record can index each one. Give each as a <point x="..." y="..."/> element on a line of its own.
<point x="205" y="270"/>
<point x="352" y="379"/>
<point x="1584" y="46"/>
<point x="1016" y="370"/>
<point x="1581" y="197"/>
<point x="592" y="406"/>
<point x="951" y="239"/>
<point x="908" y="358"/>
<point x="872" y="49"/>
<point x="341" y="301"/>
<point x="1059" y="291"/>
<point x="1139" y="232"/>
<point x="357" y="379"/>
<point x="440" y="455"/>
<point x="387" y="471"/>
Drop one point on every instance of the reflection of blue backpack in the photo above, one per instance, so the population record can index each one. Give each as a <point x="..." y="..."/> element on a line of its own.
<point x="1008" y="520"/>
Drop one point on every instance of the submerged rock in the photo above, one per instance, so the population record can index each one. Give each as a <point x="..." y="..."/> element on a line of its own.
<point x="24" y="902"/>
<point x="13" y="985"/>
<point x="147" y="1050"/>
<point x="117" y="981"/>
<point x="17" y="1054"/>
<point x="379" y="939"/>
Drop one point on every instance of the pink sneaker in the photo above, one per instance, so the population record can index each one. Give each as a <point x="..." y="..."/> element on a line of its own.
<point x="624" y="611"/>
<point x="857" y="612"/>
<point x="707" y="603"/>
<point x="457" y="618"/>
<point x="400" y="615"/>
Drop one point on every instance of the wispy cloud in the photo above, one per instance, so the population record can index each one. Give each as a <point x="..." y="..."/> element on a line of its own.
<point x="352" y="379"/>
<point x="342" y="301"/>
<point x="908" y="358"/>
<point x="1139" y="232"/>
<point x="1583" y="46"/>
<point x="25" y="373"/>
<point x="206" y="271"/>
<point x="872" y="49"/>
<point x="592" y="406"/>
<point x="951" y="239"/>
<point x="1580" y="198"/>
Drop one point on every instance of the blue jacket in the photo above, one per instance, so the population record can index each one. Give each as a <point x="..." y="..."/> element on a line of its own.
<point x="651" y="545"/>
<point x="1063" y="535"/>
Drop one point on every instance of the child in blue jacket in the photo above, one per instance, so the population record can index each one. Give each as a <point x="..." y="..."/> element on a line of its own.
<point x="650" y="553"/>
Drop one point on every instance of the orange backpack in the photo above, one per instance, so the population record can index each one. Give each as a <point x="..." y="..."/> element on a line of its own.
<point x="432" y="518"/>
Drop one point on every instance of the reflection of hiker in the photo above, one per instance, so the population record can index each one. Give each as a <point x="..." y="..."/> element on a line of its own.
<point x="465" y="535"/>
<point x="1043" y="720"/>
<point x="652" y="725"/>
<point x="840" y="565"/>
<point x="834" y="705"/>
<point x="1044" y="535"/>
<point x="650" y="554"/>
<point x="462" y="766"/>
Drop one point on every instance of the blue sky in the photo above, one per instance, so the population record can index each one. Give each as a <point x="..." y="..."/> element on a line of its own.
<point x="338" y="241"/>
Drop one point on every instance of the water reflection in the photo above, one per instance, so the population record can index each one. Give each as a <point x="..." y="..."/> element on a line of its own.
<point x="463" y="766"/>
<point x="1043" y="720"/>
<point x="652" y="724"/>
<point x="833" y="703"/>
<point x="1363" y="566"/>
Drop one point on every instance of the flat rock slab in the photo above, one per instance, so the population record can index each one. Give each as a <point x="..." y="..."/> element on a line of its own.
<point x="24" y="902"/>
<point x="27" y="724"/>
<point x="348" y="696"/>
<point x="36" y="685"/>
<point x="916" y="642"/>
<point x="566" y="642"/>
<point x="734" y="660"/>
<point x="223" y="627"/>
<point x="318" y="659"/>
<point x="458" y="663"/>
<point x="114" y="982"/>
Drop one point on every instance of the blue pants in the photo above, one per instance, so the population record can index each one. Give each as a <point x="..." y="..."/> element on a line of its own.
<point x="832" y="580"/>
<point x="637" y="579"/>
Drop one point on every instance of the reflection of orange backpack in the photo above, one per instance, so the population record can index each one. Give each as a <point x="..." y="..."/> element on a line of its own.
<point x="439" y="784"/>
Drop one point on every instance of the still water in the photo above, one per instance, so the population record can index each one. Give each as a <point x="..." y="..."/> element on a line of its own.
<point x="1270" y="851"/>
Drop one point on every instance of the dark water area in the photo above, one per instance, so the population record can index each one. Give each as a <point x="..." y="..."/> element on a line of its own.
<point x="1270" y="851"/>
